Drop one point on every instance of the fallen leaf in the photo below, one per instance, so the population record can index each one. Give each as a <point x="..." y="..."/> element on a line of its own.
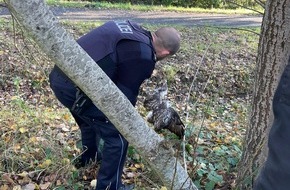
<point x="74" y="128"/>
<point x="18" y="187"/>
<point x="130" y="174"/>
<point x="23" y="174"/>
<point x="93" y="183"/>
<point x="33" y="139"/>
<point x="29" y="186"/>
<point x="133" y="169"/>
<point x="45" y="164"/>
<point x="44" y="186"/>
<point x="22" y="130"/>
<point x="7" y="178"/>
<point x="139" y="166"/>
<point x="58" y="182"/>
<point x="65" y="129"/>
<point x="66" y="117"/>
<point x="4" y="187"/>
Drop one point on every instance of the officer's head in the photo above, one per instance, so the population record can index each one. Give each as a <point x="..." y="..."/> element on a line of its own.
<point x="166" y="42"/>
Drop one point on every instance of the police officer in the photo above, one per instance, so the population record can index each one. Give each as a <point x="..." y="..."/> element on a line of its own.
<point x="127" y="53"/>
<point x="275" y="175"/>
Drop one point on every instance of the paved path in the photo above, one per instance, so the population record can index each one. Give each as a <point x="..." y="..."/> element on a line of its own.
<point x="154" y="17"/>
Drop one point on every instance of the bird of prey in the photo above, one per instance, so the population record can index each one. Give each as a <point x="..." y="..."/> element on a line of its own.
<point x="161" y="114"/>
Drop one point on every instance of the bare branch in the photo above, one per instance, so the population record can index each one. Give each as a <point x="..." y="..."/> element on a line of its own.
<point x="239" y="5"/>
<point x="262" y="4"/>
<point x="233" y="28"/>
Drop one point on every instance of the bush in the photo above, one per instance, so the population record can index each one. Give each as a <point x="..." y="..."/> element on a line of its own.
<point x="188" y="3"/>
<point x="208" y="3"/>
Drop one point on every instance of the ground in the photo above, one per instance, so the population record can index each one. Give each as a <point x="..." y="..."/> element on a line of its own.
<point x="210" y="83"/>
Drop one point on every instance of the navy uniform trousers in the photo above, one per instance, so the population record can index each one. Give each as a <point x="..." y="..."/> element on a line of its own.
<point x="275" y="175"/>
<point x="93" y="126"/>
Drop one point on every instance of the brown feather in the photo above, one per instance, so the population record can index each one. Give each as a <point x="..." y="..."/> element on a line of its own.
<point x="163" y="116"/>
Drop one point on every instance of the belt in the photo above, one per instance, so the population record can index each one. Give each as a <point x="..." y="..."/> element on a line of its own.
<point x="60" y="72"/>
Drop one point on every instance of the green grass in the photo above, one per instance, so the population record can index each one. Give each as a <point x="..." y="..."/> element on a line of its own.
<point x="38" y="136"/>
<point x="129" y="6"/>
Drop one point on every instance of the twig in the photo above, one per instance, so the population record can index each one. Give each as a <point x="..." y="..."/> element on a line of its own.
<point x="239" y="5"/>
<point x="191" y="87"/>
<point x="175" y="167"/>
<point x="175" y="172"/>
<point x="37" y="178"/>
<point x="148" y="180"/>
<point x="233" y="28"/>
<point x="188" y="97"/>
<point x="199" y="131"/>
<point x="262" y="4"/>
<point x="29" y="50"/>
<point x="201" y="126"/>
<point x="206" y="83"/>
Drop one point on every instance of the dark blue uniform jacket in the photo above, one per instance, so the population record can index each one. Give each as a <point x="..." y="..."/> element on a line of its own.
<point x="125" y="53"/>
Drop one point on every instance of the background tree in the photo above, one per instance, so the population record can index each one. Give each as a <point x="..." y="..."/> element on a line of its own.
<point x="272" y="58"/>
<point x="36" y="18"/>
<point x="228" y="4"/>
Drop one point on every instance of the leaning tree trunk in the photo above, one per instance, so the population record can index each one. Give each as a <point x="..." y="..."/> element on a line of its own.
<point x="272" y="58"/>
<point x="35" y="16"/>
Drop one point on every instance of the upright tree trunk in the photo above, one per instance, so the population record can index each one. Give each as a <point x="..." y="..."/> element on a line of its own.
<point x="36" y="18"/>
<point x="272" y="57"/>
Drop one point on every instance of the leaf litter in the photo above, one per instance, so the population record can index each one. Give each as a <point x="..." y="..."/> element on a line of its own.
<point x="210" y="83"/>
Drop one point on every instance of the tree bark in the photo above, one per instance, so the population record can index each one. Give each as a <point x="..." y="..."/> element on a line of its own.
<point x="272" y="58"/>
<point x="44" y="28"/>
